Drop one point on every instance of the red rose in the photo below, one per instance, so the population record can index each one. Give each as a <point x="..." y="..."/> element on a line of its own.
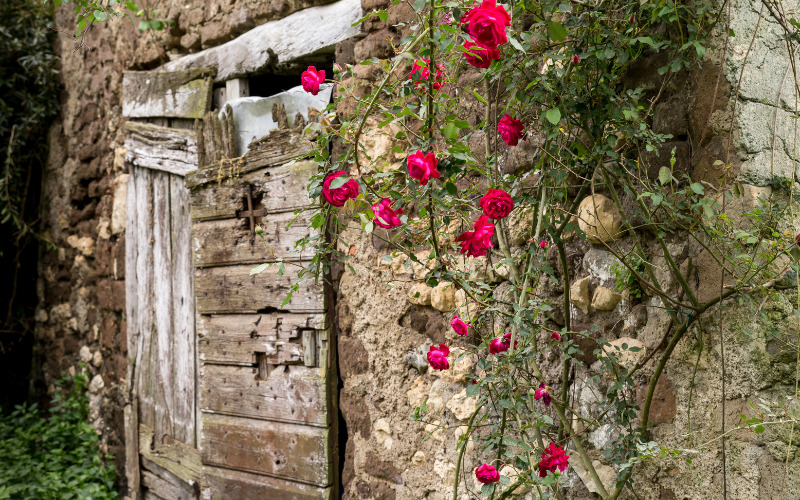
<point x="420" y="76"/>
<point x="311" y="80"/>
<point x="437" y="357"/>
<point x="487" y="24"/>
<point x="496" y="346"/>
<point x="459" y="326"/>
<point x="480" y="57"/>
<point x="487" y="474"/>
<point x="476" y="243"/>
<point x="555" y="336"/>
<point x="576" y="58"/>
<point x="423" y="167"/>
<point x="553" y="458"/>
<point x="338" y="196"/>
<point x="385" y="216"/>
<point x="511" y="130"/>
<point x="543" y="393"/>
<point x="496" y="204"/>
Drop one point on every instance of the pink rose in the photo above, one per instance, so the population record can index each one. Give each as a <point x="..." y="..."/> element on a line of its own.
<point x="385" y="216"/>
<point x="511" y="130"/>
<point x="487" y="474"/>
<point x="480" y="57"/>
<point x="459" y="326"/>
<point x="476" y="243"/>
<point x="437" y="357"/>
<point x="496" y="346"/>
<point x="420" y="76"/>
<point x="487" y="24"/>
<point x="496" y="204"/>
<point x="553" y="458"/>
<point x="543" y="244"/>
<point x="338" y="196"/>
<point x="543" y="393"/>
<point x="555" y="336"/>
<point x="423" y="167"/>
<point x="311" y="80"/>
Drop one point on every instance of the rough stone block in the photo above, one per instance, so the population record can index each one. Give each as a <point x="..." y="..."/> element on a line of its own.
<point x="605" y="299"/>
<point x="579" y="295"/>
<point x="443" y="296"/>
<point x="375" y="44"/>
<point x="599" y="218"/>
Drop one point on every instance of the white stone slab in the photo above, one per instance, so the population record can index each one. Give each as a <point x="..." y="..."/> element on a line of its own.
<point x="252" y="116"/>
<point x="292" y="37"/>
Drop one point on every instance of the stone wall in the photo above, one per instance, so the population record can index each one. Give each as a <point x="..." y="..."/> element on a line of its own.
<point x="387" y="317"/>
<point x="383" y="328"/>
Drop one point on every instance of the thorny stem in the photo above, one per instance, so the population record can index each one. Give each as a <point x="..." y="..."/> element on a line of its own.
<point x="461" y="452"/>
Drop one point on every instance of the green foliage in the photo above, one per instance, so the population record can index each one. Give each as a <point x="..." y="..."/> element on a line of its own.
<point x="55" y="457"/>
<point x="88" y="12"/>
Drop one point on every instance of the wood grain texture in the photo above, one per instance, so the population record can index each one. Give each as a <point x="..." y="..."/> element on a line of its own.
<point x="181" y="460"/>
<point x="229" y="241"/>
<point x="275" y="149"/>
<point x="144" y="290"/>
<point x="224" y="484"/>
<point x="232" y="289"/>
<point x="293" y="393"/>
<point x="232" y="339"/>
<point x="184" y="342"/>
<point x="295" y="452"/>
<point x="161" y="355"/>
<point x="161" y="148"/>
<point x="174" y="94"/>
<point x="279" y="189"/>
<point x="168" y="489"/>
<point x="131" y="409"/>
<point x="277" y="41"/>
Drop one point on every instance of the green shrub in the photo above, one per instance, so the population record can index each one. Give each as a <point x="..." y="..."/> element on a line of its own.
<point x="54" y="457"/>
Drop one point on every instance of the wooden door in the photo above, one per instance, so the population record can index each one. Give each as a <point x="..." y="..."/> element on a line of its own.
<point x="266" y="386"/>
<point x="162" y="458"/>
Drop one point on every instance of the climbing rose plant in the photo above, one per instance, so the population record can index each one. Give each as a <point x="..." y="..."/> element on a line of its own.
<point x="509" y="117"/>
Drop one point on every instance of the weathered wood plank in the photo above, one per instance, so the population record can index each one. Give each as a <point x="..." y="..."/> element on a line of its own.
<point x="144" y="272"/>
<point x="131" y="410"/>
<point x="229" y="241"/>
<point x="180" y="459"/>
<point x="289" y="451"/>
<point x="279" y="189"/>
<point x="224" y="484"/>
<point x="277" y="148"/>
<point x="174" y="94"/>
<point x="163" y="340"/>
<point x="151" y="146"/>
<point x="168" y="490"/>
<point x="288" y="394"/>
<point x="232" y="289"/>
<point x="232" y="339"/>
<point x="276" y="41"/>
<point x="184" y="342"/>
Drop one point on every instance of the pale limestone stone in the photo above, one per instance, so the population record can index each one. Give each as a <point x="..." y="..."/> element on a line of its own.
<point x="419" y="458"/>
<point x="119" y="159"/>
<point x="605" y="299"/>
<point x="41" y="316"/>
<point x="599" y="218"/>
<point x="435" y="431"/>
<point x="419" y="390"/>
<point x="462" y="406"/>
<point x="103" y="228"/>
<point x="445" y="470"/>
<point x="420" y="294"/>
<point x="520" y="225"/>
<point x="84" y="245"/>
<point x="383" y="433"/>
<point x="85" y="354"/>
<point x="97" y="384"/>
<point x="97" y="359"/>
<point x="458" y="369"/>
<point x="443" y="296"/>
<point x="626" y="357"/>
<point x="120" y="204"/>
<point x="607" y="475"/>
<point x="579" y="295"/>
<point x="436" y="395"/>
<point x="61" y="312"/>
<point x="512" y="474"/>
